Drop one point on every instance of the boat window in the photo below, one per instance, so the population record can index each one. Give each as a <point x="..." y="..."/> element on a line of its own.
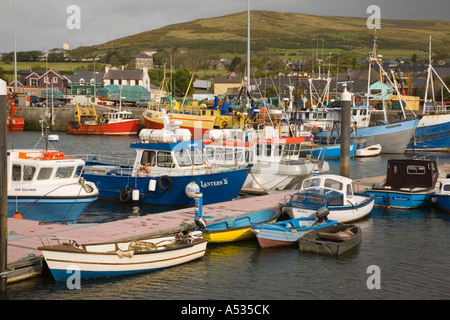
<point x="228" y="154"/>
<point x="278" y="150"/>
<point x="148" y="158"/>
<point x="446" y="187"/>
<point x="298" y="197"/>
<point x="164" y="159"/>
<point x="183" y="158"/>
<point x="196" y="156"/>
<point x="355" y="112"/>
<point x="316" y="199"/>
<point x="44" y="173"/>
<point x="268" y="150"/>
<point x="78" y="171"/>
<point x="349" y="191"/>
<point x="335" y="201"/>
<point x="28" y="173"/>
<point x="16" y="172"/>
<point x="209" y="152"/>
<point x="239" y="155"/>
<point x="64" y="172"/>
<point x="333" y="184"/>
<point x="248" y="156"/>
<point x="258" y="149"/>
<point x="311" y="183"/>
<point x="218" y="154"/>
<point x="420" y="170"/>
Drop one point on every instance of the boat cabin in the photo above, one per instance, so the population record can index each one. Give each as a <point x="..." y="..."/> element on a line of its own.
<point x="410" y="174"/>
<point x="261" y="150"/>
<point x="162" y="156"/>
<point x="37" y="167"/>
<point x="325" y="118"/>
<point x="335" y="189"/>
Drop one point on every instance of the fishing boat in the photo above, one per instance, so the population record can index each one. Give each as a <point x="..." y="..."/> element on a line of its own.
<point x="46" y="185"/>
<point x="167" y="163"/>
<point x="278" y="162"/>
<point x="238" y="228"/>
<point x="287" y="232"/>
<point x="432" y="133"/>
<point x="334" y="192"/>
<point x="111" y="122"/>
<point x="96" y="260"/>
<point x="334" y="240"/>
<point x="410" y="183"/>
<point x="370" y="151"/>
<point x="433" y="130"/>
<point x="392" y="137"/>
<point x="443" y="195"/>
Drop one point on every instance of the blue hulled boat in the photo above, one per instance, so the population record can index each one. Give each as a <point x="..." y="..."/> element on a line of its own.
<point x="331" y="152"/>
<point x="410" y="183"/>
<point x="432" y="133"/>
<point x="393" y="137"/>
<point x="163" y="172"/>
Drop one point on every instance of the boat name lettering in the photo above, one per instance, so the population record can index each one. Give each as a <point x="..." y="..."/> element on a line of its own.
<point x="213" y="183"/>
<point x="25" y="189"/>
<point x="393" y="126"/>
<point x="401" y="198"/>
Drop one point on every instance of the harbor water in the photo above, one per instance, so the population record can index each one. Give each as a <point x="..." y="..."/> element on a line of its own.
<point x="404" y="254"/>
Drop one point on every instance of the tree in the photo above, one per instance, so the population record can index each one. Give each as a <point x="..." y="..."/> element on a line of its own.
<point x="181" y="79"/>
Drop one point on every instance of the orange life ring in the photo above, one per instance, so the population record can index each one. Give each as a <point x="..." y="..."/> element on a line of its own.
<point x="144" y="168"/>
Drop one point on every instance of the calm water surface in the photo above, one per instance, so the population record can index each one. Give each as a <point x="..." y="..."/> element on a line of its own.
<point x="411" y="249"/>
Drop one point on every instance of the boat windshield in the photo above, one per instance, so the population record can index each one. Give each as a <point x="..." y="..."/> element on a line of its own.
<point x="303" y="198"/>
<point x="186" y="158"/>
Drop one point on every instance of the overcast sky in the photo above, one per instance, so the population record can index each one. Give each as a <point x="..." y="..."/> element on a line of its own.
<point x="43" y="24"/>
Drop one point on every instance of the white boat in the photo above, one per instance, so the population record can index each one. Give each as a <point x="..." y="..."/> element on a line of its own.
<point x="443" y="195"/>
<point x="333" y="192"/>
<point x="120" y="258"/>
<point x="278" y="162"/>
<point x="46" y="185"/>
<point x="370" y="151"/>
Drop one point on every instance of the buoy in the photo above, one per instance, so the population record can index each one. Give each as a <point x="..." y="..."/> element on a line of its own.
<point x="135" y="194"/>
<point x="17" y="215"/>
<point x="152" y="185"/>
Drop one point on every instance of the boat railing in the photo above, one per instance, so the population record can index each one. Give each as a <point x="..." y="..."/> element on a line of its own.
<point x="51" y="240"/>
<point x="105" y="159"/>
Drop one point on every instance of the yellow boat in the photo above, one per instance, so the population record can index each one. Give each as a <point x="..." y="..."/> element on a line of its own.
<point x="238" y="228"/>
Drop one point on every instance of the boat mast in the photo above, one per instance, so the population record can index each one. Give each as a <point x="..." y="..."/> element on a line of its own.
<point x="430" y="79"/>
<point x="248" y="55"/>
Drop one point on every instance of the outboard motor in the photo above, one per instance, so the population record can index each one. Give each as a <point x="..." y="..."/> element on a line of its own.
<point x="321" y="215"/>
<point x="200" y="222"/>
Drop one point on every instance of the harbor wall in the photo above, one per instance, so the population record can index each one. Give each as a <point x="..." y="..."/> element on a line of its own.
<point x="64" y="115"/>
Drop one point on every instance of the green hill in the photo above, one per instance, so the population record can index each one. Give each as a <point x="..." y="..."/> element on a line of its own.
<point x="274" y="31"/>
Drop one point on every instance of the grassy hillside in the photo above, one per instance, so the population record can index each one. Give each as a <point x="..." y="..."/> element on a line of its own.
<point x="279" y="30"/>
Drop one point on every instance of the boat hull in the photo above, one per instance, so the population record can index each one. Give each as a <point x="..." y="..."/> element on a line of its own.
<point x="276" y="235"/>
<point x="215" y="187"/>
<point x="313" y="242"/>
<point x="49" y="209"/>
<point x="393" y="138"/>
<point x="400" y="200"/>
<point x="443" y="202"/>
<point x="432" y="133"/>
<point x="127" y="127"/>
<point x="239" y="228"/>
<point x="332" y="152"/>
<point x="65" y="264"/>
